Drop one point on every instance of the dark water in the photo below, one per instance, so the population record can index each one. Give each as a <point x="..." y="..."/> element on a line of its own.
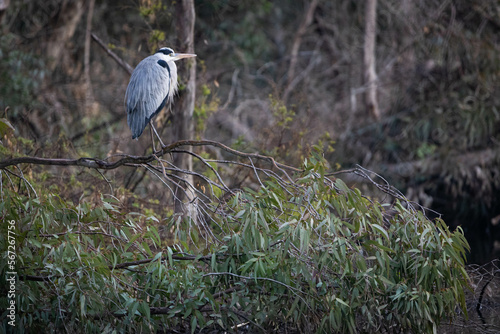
<point x="488" y="322"/>
<point x="483" y="303"/>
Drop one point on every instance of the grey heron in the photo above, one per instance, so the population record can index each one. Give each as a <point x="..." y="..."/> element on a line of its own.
<point x="152" y="86"/>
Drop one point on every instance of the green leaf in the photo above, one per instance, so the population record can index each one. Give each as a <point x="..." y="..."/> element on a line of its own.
<point x="240" y="214"/>
<point x="132" y="308"/>
<point x="5" y="127"/>
<point x="341" y="185"/>
<point x="381" y="230"/>
<point x="157" y="256"/>
<point x="144" y="310"/>
<point x="342" y="302"/>
<point x="379" y="245"/>
<point x="82" y="305"/>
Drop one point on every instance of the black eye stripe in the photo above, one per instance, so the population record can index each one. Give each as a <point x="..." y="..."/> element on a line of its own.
<point x="165" y="51"/>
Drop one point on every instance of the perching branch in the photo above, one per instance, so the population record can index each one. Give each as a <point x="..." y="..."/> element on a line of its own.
<point x="128" y="160"/>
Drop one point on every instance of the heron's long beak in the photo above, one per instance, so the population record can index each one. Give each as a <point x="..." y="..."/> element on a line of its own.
<point x="177" y="56"/>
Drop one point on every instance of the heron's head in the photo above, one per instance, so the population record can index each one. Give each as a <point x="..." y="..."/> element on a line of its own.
<point x="174" y="56"/>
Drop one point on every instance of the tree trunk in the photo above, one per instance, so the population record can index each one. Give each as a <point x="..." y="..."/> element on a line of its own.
<point x="63" y="28"/>
<point x="183" y="109"/>
<point x="91" y="107"/>
<point x="434" y="166"/>
<point x="369" y="58"/>
<point x="4" y="5"/>
<point x="294" y="54"/>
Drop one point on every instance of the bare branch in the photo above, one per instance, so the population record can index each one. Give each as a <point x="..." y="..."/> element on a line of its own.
<point x="113" y="55"/>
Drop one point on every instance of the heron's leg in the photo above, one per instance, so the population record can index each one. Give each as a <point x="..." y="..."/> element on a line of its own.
<point x="156" y="133"/>
<point x="152" y="138"/>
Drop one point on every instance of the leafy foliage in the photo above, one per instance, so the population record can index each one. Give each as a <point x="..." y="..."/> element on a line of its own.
<point x="305" y="254"/>
<point x="21" y="74"/>
<point x="438" y="87"/>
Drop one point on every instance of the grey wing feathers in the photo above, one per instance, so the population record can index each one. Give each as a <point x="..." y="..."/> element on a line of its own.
<point x="148" y="88"/>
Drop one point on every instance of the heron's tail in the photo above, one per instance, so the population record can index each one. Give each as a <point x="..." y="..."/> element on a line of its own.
<point x="136" y="124"/>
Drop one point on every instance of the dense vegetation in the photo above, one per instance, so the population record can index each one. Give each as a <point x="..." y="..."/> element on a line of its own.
<point x="263" y="245"/>
<point x="437" y="66"/>
<point x="304" y="253"/>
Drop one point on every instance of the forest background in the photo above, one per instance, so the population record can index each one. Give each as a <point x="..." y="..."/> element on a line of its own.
<point x="278" y="77"/>
<point x="376" y="93"/>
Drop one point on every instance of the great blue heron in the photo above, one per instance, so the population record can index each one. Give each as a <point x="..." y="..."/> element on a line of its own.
<point x="152" y="85"/>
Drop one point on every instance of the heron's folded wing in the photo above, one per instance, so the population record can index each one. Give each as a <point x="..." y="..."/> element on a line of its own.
<point x="146" y="93"/>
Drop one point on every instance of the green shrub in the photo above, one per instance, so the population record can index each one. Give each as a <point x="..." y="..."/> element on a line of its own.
<point x="307" y="254"/>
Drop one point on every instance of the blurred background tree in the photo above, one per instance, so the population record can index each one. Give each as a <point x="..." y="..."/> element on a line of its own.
<point x="277" y="77"/>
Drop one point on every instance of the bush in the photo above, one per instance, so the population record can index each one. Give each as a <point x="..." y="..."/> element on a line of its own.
<point x="297" y="254"/>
